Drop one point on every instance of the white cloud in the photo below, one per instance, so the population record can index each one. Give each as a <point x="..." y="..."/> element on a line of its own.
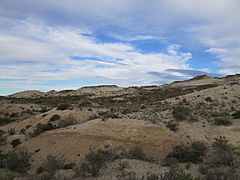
<point x="34" y="51"/>
<point x="29" y="46"/>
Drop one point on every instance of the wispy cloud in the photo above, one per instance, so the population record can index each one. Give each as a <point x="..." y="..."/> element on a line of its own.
<point x="57" y="39"/>
<point x="35" y="51"/>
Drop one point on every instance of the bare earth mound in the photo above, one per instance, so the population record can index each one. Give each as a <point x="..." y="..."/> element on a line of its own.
<point x="75" y="141"/>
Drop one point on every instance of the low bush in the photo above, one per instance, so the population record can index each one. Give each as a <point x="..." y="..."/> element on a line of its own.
<point x="181" y="113"/>
<point x="208" y="99"/>
<point x="2" y="137"/>
<point x="184" y="154"/>
<point x="63" y="107"/>
<point x="151" y="176"/>
<point x="15" y="143"/>
<point x="222" y="173"/>
<point x="23" y="131"/>
<point x="55" y="117"/>
<point x="108" y="114"/>
<point x="15" y="162"/>
<point x="173" y="126"/>
<point x="137" y="153"/>
<point x="95" y="161"/>
<point x="176" y="174"/>
<point x="5" y="120"/>
<point x="51" y="164"/>
<point x="41" y="128"/>
<point x="236" y="115"/>
<point x="68" y="121"/>
<point x="222" y="121"/>
<point x="6" y="174"/>
<point x="222" y="153"/>
<point x="11" y="131"/>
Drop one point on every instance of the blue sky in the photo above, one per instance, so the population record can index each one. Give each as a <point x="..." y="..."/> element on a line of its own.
<point x="59" y="44"/>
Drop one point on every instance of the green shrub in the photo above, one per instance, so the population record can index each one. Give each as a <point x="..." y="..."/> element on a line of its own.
<point x="22" y="131"/>
<point x="222" y="121"/>
<point x="222" y="173"/>
<point x="69" y="121"/>
<point x="11" y="131"/>
<point x="181" y="113"/>
<point x="15" y="162"/>
<point x="41" y="128"/>
<point x="55" y="117"/>
<point x="6" y="174"/>
<point x="173" y="126"/>
<point x="176" y="174"/>
<point x="222" y="153"/>
<point x="51" y="164"/>
<point x="43" y="176"/>
<point x="15" y="143"/>
<point x="151" y="176"/>
<point x="208" y="99"/>
<point x="108" y="114"/>
<point x="137" y="153"/>
<point x="63" y="107"/>
<point x="5" y="120"/>
<point x="2" y="137"/>
<point x="236" y="115"/>
<point x="184" y="154"/>
<point x="95" y="161"/>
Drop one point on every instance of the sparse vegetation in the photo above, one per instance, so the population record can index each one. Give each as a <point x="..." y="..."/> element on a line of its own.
<point x="236" y="115"/>
<point x="2" y="137"/>
<point x="5" y="120"/>
<point x="137" y="153"/>
<point x="95" y="161"/>
<point x="222" y="121"/>
<point x="171" y="106"/>
<point x="181" y="113"/>
<point x="173" y="126"/>
<point x="41" y="128"/>
<point x="208" y="99"/>
<point x="176" y="174"/>
<point x="15" y="162"/>
<point x="51" y="164"/>
<point x="11" y="131"/>
<point x="55" y="117"/>
<point x="184" y="154"/>
<point x="15" y="143"/>
<point x="68" y="121"/>
<point x="63" y="107"/>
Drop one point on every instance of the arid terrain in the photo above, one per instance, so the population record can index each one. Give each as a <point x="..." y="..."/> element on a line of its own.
<point x="184" y="130"/>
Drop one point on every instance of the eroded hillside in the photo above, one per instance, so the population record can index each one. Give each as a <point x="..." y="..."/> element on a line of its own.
<point x="188" y="129"/>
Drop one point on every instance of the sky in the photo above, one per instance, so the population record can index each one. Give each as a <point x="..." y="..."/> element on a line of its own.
<point x="67" y="44"/>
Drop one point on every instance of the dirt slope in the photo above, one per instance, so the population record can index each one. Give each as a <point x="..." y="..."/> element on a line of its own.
<point x="73" y="142"/>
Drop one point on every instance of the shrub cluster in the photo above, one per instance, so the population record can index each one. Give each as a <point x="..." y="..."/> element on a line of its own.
<point x="41" y="128"/>
<point x="181" y="113"/>
<point x="176" y="174"/>
<point x="173" y="126"/>
<point x="15" y="143"/>
<point x="236" y="115"/>
<point x="222" y="120"/>
<point x="55" y="117"/>
<point x="63" y="107"/>
<point x="184" y="154"/>
<point x="70" y="120"/>
<point x="15" y="162"/>
<point x="137" y="153"/>
<point x="108" y="114"/>
<point x="51" y="164"/>
<point x="5" y="120"/>
<point x="2" y="137"/>
<point x="95" y="161"/>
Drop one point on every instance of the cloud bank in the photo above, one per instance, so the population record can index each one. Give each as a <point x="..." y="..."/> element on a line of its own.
<point x="44" y="43"/>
